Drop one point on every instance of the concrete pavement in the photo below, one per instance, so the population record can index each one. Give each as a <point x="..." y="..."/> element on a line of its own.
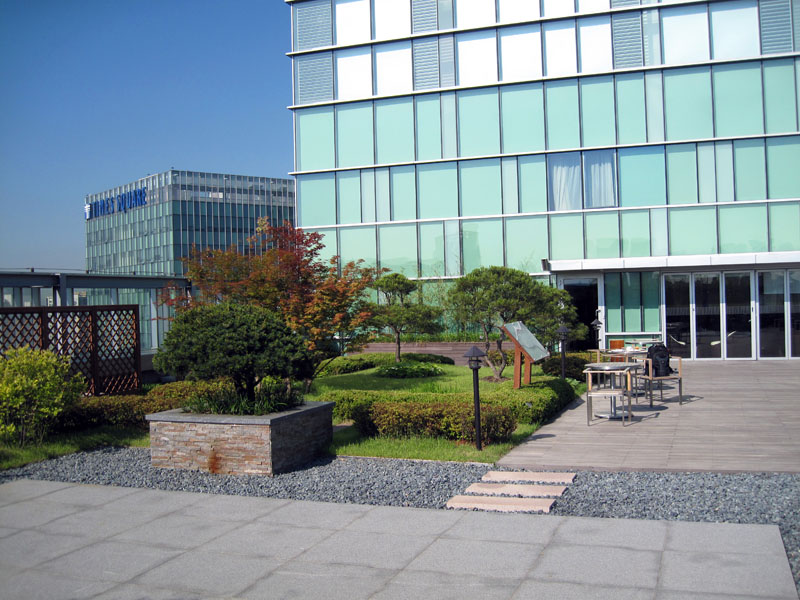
<point x="60" y="540"/>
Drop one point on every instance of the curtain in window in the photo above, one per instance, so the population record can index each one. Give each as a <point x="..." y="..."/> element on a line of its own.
<point x="600" y="175"/>
<point x="564" y="181"/>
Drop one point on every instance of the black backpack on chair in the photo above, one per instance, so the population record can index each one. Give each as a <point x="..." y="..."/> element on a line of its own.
<point x="659" y="358"/>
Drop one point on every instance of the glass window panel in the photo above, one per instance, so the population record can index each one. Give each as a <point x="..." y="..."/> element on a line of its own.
<point x="631" y="122"/>
<point x="404" y="193"/>
<point x="779" y="95"/>
<point x="431" y="249"/>
<point x="794" y="303"/>
<point x="642" y="177"/>
<point x="749" y="169"/>
<point x="783" y="160"/>
<point x="687" y="101"/>
<point x="738" y="341"/>
<point x="600" y="178"/>
<point x="597" y="111"/>
<point x="328" y="241"/>
<point x="348" y="188"/>
<point x="685" y="31"/>
<point x="383" y="208"/>
<point x="651" y="301"/>
<point x="682" y="174"/>
<point x="352" y="21"/>
<point x="632" y="301"/>
<point x="438" y="190"/>
<point x="315" y="138"/>
<point x="449" y="139"/>
<point x="677" y="310"/>
<point x="356" y="243"/>
<point x="655" y="106"/>
<point x="651" y="37"/>
<point x="368" y="196"/>
<point x="316" y="199"/>
<point x="447" y="60"/>
<point x="520" y="53"/>
<point x="613" y="300"/>
<point x="474" y="13"/>
<point x="784" y="227"/>
<point x="479" y="122"/>
<point x="510" y="186"/>
<point x="392" y="18"/>
<point x="706" y="173"/>
<point x="738" y="105"/>
<point x="734" y="29"/>
<point x="526" y="243"/>
<point x="480" y="187"/>
<point x="446" y="20"/>
<point x="743" y="228"/>
<point x="559" y="47"/>
<point x="635" y="231"/>
<point x="429" y="127"/>
<point x="771" y="315"/>
<point x="594" y="35"/>
<point x="452" y="248"/>
<point x="658" y="232"/>
<point x="564" y="181"/>
<point x="394" y="73"/>
<point x="708" y="326"/>
<point x="477" y="57"/>
<point x="523" y="117"/>
<point x="592" y="5"/>
<point x="514" y="11"/>
<point x="602" y="235"/>
<point x="394" y="130"/>
<point x="566" y="237"/>
<point x="355" y="135"/>
<point x="398" y="248"/>
<point x="532" y="183"/>
<point x="563" y="122"/>
<point x="482" y="241"/>
<point x="558" y="8"/>
<point x="693" y="231"/>
<point x="353" y="73"/>
<point x="724" y="164"/>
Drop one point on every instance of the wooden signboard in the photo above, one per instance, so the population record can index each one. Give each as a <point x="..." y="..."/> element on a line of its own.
<point x="526" y="348"/>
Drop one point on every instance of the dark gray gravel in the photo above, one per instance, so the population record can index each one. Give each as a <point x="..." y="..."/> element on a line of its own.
<point x="760" y="498"/>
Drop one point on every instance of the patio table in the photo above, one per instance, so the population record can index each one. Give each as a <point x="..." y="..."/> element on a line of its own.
<point x="627" y="369"/>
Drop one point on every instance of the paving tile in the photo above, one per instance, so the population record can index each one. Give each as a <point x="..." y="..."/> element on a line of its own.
<point x="31" y="513"/>
<point x="26" y="489"/>
<point x="482" y="558"/>
<point x="554" y="590"/>
<point x="368" y="549"/>
<point x="42" y="585"/>
<point x="232" y="508"/>
<point x="90" y="495"/>
<point x="316" y="514"/>
<point x="597" y="565"/>
<point x="501" y="503"/>
<point x="209" y="573"/>
<point x="126" y="591"/>
<point x="405" y="521"/>
<point x="529" y="490"/>
<point x="98" y="523"/>
<point x="411" y="585"/>
<point x="725" y="537"/>
<point x="277" y="540"/>
<point x="536" y="476"/>
<point x="620" y="533"/>
<point x="154" y="502"/>
<point x="29" y="548"/>
<point x="672" y="595"/>
<point x="727" y="573"/>
<point x="505" y="527"/>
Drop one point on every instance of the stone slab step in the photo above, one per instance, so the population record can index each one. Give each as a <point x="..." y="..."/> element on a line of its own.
<point x="501" y="503"/>
<point x="528" y="490"/>
<point x="543" y="477"/>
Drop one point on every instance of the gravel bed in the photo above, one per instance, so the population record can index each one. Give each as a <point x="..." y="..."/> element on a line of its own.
<point x="758" y="498"/>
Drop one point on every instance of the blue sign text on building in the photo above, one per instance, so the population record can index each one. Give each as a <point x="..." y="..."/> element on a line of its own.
<point x="119" y="203"/>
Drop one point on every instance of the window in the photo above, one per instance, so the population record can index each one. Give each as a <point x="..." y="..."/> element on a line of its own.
<point x="452" y="248"/>
<point x="724" y="168"/>
<point x="354" y="146"/>
<point x="522" y="117"/>
<point x="429" y="127"/>
<point x="654" y="94"/>
<point x="479" y="120"/>
<point x="447" y="61"/>
<point x="564" y="181"/>
<point x="482" y="243"/>
<point x="532" y="183"/>
<point x="368" y="196"/>
<point x="398" y="248"/>
<point x="348" y="193"/>
<point x="594" y="36"/>
<point x="693" y="231"/>
<point x="394" y="130"/>
<point x="358" y="243"/>
<point x="314" y="138"/>
<point x="566" y="237"/>
<point x="438" y="190"/>
<point x="521" y="53"/>
<point x="783" y="159"/>
<point x="316" y="199"/>
<point x="687" y="100"/>
<point x="631" y="301"/>
<point x="631" y="120"/>
<point x="352" y="21"/>
<point x="635" y="232"/>
<point x="592" y="5"/>
<point x="393" y="68"/>
<point x="784" y="227"/>
<point x="513" y="11"/>
<point x="750" y="169"/>
<point x="474" y="13"/>
<point x="597" y="111"/>
<point x="651" y="37"/>
<point x="738" y="106"/>
<point x="743" y="228"/>
<point x="563" y="122"/>
<point x="734" y="27"/>
<point x="682" y="174"/>
<point x="685" y="32"/>
<point x="392" y="18"/>
<point x="780" y="95"/>
<point x="602" y="235"/>
<point x="706" y="173"/>
<point x="353" y="73"/>
<point x="510" y="182"/>
<point x="658" y="232"/>
<point x="431" y="249"/>
<point x="404" y="193"/>
<point x="642" y="180"/>
<point x="600" y="178"/>
<point x="526" y="243"/>
<point x="480" y="187"/>
<point x="558" y="8"/>
<point x="477" y="57"/>
<point x="559" y="47"/>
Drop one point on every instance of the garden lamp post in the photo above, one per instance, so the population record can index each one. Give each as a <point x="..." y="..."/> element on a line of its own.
<point x="596" y="325"/>
<point x="563" y="331"/>
<point x="474" y="356"/>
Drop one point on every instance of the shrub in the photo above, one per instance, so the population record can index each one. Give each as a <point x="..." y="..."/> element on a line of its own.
<point x="356" y="362"/>
<point x="427" y="358"/>
<point x="494" y="355"/>
<point x="35" y="387"/>
<point x="272" y="395"/>
<point x="575" y="363"/>
<point x="451" y="420"/>
<point x="408" y="369"/>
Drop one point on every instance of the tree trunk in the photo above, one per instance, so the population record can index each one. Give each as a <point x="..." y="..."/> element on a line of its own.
<point x="488" y="346"/>
<point x="503" y="361"/>
<point x="397" y="346"/>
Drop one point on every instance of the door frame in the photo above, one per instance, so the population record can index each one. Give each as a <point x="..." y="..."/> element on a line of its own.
<point x="600" y="311"/>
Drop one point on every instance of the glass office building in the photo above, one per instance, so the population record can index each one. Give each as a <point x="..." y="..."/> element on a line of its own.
<point x="643" y="155"/>
<point x="146" y="226"/>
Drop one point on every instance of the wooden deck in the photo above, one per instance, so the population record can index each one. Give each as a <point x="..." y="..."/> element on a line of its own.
<point x="736" y="416"/>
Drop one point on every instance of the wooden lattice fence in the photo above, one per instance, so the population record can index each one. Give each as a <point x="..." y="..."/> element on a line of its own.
<point x="102" y="341"/>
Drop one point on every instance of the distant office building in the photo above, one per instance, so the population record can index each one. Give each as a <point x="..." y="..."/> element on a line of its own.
<point x="643" y="156"/>
<point x="145" y="227"/>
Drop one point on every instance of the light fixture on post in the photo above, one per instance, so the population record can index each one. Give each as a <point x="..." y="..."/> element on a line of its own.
<point x="563" y="332"/>
<point x="596" y="325"/>
<point x="474" y="356"/>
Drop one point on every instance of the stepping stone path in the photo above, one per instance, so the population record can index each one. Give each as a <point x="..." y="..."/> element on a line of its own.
<point x="501" y="491"/>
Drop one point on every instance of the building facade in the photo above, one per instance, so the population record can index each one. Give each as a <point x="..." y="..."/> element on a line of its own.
<point x="145" y="227"/>
<point x="644" y="155"/>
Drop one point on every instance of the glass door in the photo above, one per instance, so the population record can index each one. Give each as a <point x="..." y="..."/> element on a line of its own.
<point x="708" y="325"/>
<point x="586" y="298"/>
<point x="738" y="315"/>
<point x="677" y="314"/>
<point x="771" y="315"/>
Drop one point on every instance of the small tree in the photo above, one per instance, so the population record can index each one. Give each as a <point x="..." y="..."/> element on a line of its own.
<point x="243" y="342"/>
<point x="399" y="312"/>
<point x="35" y="386"/>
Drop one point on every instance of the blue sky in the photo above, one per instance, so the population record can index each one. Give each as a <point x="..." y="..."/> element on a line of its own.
<point x="97" y="93"/>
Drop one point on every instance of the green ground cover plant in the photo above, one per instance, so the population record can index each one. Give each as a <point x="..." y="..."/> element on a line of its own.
<point x="408" y="369"/>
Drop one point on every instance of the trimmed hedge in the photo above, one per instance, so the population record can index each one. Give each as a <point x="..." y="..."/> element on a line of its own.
<point x="451" y="420"/>
<point x="574" y="362"/>
<point x="423" y="357"/>
<point x="408" y="370"/>
<point x="342" y="365"/>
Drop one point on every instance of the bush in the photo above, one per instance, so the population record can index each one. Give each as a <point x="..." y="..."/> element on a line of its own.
<point x="427" y="358"/>
<point x="409" y="369"/>
<point x="357" y="362"/>
<point x="451" y="420"/>
<point x="575" y="363"/>
<point x="495" y="356"/>
<point x="272" y="395"/>
<point x="35" y="387"/>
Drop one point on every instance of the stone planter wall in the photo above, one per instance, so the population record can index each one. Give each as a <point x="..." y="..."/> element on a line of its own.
<point x="240" y="445"/>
